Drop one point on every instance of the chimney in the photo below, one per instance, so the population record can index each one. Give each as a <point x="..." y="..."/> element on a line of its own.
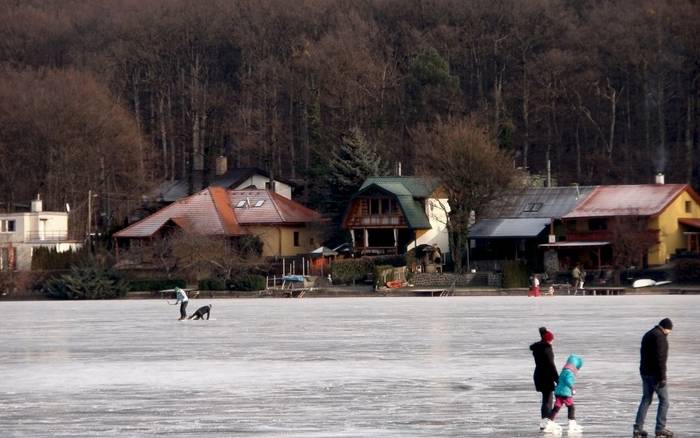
<point x="659" y="178"/>
<point x="37" y="205"/>
<point x="221" y="165"/>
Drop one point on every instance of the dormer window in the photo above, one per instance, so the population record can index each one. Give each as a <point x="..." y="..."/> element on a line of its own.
<point x="533" y="207"/>
<point x="260" y="203"/>
<point x="241" y="204"/>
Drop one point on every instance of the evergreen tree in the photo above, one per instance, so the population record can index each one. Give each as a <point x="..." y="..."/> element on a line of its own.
<point x="355" y="160"/>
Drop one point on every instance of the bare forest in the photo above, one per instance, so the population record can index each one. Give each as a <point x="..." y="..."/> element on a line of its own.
<point x="114" y="96"/>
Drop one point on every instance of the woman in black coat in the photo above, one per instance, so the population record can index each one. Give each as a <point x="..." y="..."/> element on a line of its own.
<point x="546" y="376"/>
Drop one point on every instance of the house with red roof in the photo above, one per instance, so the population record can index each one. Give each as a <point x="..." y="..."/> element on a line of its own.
<point x="284" y="226"/>
<point x="653" y="221"/>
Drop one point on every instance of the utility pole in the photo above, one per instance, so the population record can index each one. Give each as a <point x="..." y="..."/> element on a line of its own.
<point x="89" y="216"/>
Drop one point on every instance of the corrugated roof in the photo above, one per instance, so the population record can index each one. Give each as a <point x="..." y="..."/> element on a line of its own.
<point x="508" y="228"/>
<point x="417" y="186"/>
<point x="538" y="202"/>
<point x="212" y="212"/>
<point x="628" y="200"/>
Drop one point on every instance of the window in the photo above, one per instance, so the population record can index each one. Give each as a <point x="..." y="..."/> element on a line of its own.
<point x="688" y="207"/>
<point x="533" y="207"/>
<point x="296" y="238"/>
<point x="597" y="224"/>
<point x="374" y="206"/>
<point x="386" y="209"/>
<point x="7" y="226"/>
<point x="240" y="204"/>
<point x="260" y="203"/>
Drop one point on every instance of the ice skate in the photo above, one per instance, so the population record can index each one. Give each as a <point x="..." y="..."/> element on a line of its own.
<point x="664" y="434"/>
<point x="543" y="423"/>
<point x="551" y="427"/>
<point x="574" y="428"/>
<point x="639" y="433"/>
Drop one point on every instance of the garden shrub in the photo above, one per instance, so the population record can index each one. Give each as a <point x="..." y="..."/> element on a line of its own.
<point x="47" y="258"/>
<point x="347" y="271"/>
<point x="246" y="282"/>
<point x="86" y="282"/>
<point x="157" y="284"/>
<point x="514" y="274"/>
<point x="687" y="270"/>
<point x="212" y="284"/>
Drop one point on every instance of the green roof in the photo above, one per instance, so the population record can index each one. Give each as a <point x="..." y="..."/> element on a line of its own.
<point x="408" y="190"/>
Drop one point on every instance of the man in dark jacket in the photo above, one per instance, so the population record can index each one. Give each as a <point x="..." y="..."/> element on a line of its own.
<point x="546" y="376"/>
<point x="652" y="367"/>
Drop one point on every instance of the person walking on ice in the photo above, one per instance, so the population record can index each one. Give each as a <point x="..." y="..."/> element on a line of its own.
<point x="652" y="367"/>
<point x="182" y="300"/>
<point x="564" y="393"/>
<point x="545" y="376"/>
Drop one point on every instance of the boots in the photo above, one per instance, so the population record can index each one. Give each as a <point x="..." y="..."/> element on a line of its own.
<point x="574" y="427"/>
<point x="664" y="434"/>
<point x="551" y="427"/>
<point x="638" y="432"/>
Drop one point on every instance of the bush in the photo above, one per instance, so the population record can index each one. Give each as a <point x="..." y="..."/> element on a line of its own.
<point x="212" y="284"/>
<point x="246" y="282"/>
<point x="687" y="270"/>
<point x="514" y="274"/>
<point x="46" y="258"/>
<point x="395" y="261"/>
<point x="86" y="282"/>
<point x="155" y="285"/>
<point x="350" y="270"/>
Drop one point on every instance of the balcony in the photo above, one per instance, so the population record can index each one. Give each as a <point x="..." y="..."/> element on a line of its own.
<point x="46" y="236"/>
<point x="389" y="221"/>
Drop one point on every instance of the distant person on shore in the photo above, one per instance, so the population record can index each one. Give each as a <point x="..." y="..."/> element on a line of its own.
<point x="182" y="300"/>
<point x="199" y="313"/>
<point x="564" y="395"/>
<point x="534" y="286"/>
<point x="652" y="367"/>
<point x="576" y="276"/>
<point x="545" y="376"/>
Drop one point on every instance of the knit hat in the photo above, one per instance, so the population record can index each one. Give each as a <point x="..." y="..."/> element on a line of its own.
<point x="666" y="323"/>
<point x="542" y="330"/>
<point x="548" y="336"/>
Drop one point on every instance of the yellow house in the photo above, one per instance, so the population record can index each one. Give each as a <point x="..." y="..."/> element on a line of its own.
<point x="668" y="218"/>
<point x="285" y="227"/>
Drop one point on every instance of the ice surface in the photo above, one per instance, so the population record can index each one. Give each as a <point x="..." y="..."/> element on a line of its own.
<point x="357" y="367"/>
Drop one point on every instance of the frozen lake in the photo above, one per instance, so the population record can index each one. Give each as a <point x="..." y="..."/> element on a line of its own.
<point x="356" y="367"/>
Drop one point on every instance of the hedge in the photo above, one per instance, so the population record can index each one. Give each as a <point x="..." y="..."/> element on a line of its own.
<point x="351" y="270"/>
<point x="246" y="282"/>
<point x="86" y="282"/>
<point x="514" y="274"/>
<point x="687" y="270"/>
<point x="157" y="284"/>
<point x="212" y="284"/>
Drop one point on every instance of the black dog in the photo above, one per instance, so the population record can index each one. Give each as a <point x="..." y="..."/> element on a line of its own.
<point x="199" y="313"/>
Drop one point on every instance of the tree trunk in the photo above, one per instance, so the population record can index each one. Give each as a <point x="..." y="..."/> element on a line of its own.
<point x="526" y="117"/>
<point x="689" y="156"/>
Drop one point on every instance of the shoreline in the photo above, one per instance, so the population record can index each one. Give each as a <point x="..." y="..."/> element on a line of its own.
<point x="368" y="291"/>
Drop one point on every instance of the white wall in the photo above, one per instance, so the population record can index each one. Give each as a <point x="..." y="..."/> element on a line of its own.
<point x="436" y="210"/>
<point x="259" y="181"/>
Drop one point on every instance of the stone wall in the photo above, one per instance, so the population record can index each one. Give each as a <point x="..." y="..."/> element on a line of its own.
<point x="447" y="279"/>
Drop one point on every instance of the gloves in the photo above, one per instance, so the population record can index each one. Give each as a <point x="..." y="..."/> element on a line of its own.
<point x="573" y="392"/>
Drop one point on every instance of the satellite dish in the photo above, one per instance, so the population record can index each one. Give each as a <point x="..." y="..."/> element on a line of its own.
<point x="67" y="207"/>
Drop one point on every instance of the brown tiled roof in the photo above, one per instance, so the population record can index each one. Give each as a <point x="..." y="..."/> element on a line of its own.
<point x="629" y="200"/>
<point x="272" y="208"/>
<point x="213" y="211"/>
